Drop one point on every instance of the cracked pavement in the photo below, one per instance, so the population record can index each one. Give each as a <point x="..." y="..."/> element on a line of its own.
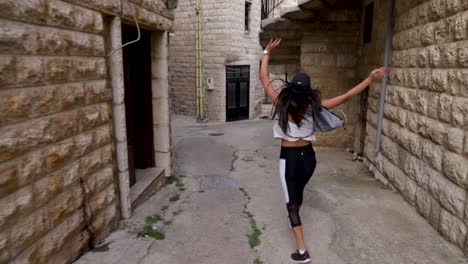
<point x="348" y="217"/>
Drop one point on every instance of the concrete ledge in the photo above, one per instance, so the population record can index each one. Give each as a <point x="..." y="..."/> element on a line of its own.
<point x="148" y="182"/>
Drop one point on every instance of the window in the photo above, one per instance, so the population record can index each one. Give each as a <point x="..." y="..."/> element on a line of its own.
<point x="368" y="20"/>
<point x="248" y="7"/>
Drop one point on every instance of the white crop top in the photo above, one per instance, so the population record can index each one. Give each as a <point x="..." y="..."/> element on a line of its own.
<point x="295" y="133"/>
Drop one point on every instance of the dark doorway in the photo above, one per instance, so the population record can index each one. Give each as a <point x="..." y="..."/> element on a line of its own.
<point x="237" y="92"/>
<point x="138" y="100"/>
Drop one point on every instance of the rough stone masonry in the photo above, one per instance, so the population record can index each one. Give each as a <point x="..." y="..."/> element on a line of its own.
<point x="424" y="151"/>
<point x="58" y="183"/>
<point x="225" y="41"/>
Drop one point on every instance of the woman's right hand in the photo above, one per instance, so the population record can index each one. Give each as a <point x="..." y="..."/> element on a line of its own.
<point x="274" y="43"/>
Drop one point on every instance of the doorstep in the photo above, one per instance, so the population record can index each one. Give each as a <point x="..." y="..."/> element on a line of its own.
<point x="148" y="182"/>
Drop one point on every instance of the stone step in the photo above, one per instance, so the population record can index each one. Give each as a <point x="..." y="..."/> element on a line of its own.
<point x="148" y="182"/>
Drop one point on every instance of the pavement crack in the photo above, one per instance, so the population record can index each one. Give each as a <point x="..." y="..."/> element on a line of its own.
<point x="147" y="252"/>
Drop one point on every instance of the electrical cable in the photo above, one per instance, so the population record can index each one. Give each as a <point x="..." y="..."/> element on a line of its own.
<point x="131" y="42"/>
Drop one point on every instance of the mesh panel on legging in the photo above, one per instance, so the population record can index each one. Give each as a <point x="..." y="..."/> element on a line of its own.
<point x="293" y="210"/>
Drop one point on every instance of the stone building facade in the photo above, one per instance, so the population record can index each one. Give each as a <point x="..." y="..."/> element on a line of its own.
<point x="64" y="162"/>
<point x="424" y="147"/>
<point x="227" y="42"/>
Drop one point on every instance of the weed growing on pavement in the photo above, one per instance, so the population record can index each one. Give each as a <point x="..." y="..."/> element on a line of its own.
<point x="167" y="222"/>
<point x="152" y="219"/>
<point x="174" y="198"/>
<point x="257" y="261"/>
<point x="255" y="233"/>
<point x="149" y="231"/>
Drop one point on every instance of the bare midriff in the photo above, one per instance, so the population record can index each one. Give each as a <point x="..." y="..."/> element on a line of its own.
<point x="299" y="143"/>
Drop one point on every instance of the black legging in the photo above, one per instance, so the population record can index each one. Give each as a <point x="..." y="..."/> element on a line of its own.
<point x="297" y="164"/>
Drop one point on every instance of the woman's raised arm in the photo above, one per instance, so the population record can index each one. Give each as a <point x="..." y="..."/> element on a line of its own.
<point x="269" y="89"/>
<point x="375" y="75"/>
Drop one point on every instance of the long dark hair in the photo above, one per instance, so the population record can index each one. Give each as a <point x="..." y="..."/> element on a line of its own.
<point x="296" y="100"/>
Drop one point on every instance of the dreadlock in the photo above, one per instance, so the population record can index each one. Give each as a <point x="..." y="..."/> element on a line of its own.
<point x="297" y="101"/>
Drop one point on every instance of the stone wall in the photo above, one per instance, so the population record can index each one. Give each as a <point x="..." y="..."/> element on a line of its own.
<point x="424" y="150"/>
<point x="329" y="56"/>
<point x="225" y="43"/>
<point x="58" y="180"/>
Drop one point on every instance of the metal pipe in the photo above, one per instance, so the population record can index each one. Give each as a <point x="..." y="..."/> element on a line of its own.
<point x="199" y="63"/>
<point x="383" y="92"/>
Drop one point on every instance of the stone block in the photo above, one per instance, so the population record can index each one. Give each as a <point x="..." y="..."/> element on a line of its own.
<point x="29" y="70"/>
<point x="31" y="135"/>
<point x="163" y="160"/>
<point x="42" y="250"/>
<point x="58" y="70"/>
<point x="439" y="81"/>
<point x="16" y="204"/>
<point x="70" y="95"/>
<point x="442" y="31"/>
<point x="106" y="6"/>
<point x="101" y="200"/>
<point x="434" y="218"/>
<point x="423" y="202"/>
<point x="456" y="168"/>
<point x="452" y="228"/>
<point x="102" y="136"/>
<point x="449" y="55"/>
<point x="43" y="101"/>
<point x="463" y="55"/>
<point x="84" y="18"/>
<point x="102" y="222"/>
<point x="432" y="154"/>
<point x="458" y="83"/>
<point x="412" y="166"/>
<point x="7" y="71"/>
<point x="456" y="6"/>
<point x="89" y="69"/>
<point x="94" y="116"/>
<point x="4" y="254"/>
<point x="8" y="178"/>
<point x="455" y="140"/>
<point x="96" y="160"/>
<point x="459" y="26"/>
<point x="433" y="102"/>
<point x="96" y="92"/>
<point x="122" y="156"/>
<point x="14" y="105"/>
<point x="437" y="9"/>
<point x="65" y="205"/>
<point x="435" y="131"/>
<point x="84" y="143"/>
<point x="31" y="11"/>
<point x="30" y="167"/>
<point x="64" y="125"/>
<point x="450" y="196"/>
<point x="460" y="112"/>
<point x="60" y="14"/>
<point x="162" y="138"/>
<point x="99" y="180"/>
<point x="17" y="38"/>
<point x="59" y="154"/>
<point x="27" y="230"/>
<point x="445" y="111"/>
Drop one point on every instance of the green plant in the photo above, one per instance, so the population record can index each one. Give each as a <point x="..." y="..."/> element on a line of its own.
<point x="152" y="219"/>
<point x="174" y="198"/>
<point x="149" y="231"/>
<point x="257" y="261"/>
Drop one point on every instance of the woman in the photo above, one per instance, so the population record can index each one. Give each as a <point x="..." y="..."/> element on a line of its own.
<point x="295" y="106"/>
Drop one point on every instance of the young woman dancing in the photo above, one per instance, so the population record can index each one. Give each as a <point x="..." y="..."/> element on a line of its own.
<point x="295" y="106"/>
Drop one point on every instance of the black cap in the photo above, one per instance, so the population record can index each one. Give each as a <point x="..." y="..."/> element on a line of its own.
<point x="301" y="79"/>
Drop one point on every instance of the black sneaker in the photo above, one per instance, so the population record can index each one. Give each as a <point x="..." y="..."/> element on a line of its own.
<point x="300" y="258"/>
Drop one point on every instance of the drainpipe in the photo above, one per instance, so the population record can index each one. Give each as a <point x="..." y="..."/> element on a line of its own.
<point x="388" y="44"/>
<point x="200" y="66"/>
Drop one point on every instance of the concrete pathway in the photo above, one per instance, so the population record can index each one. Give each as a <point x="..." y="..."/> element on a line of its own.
<point x="229" y="192"/>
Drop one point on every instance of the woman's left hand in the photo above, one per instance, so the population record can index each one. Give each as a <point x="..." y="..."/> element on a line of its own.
<point x="377" y="74"/>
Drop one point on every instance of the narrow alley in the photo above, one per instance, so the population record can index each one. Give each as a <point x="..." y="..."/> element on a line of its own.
<point x="226" y="206"/>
